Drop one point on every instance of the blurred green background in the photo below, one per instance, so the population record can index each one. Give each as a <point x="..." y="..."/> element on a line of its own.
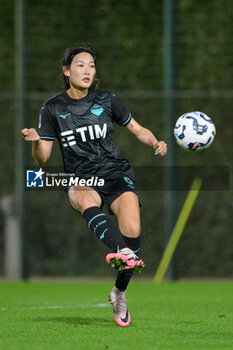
<point x="128" y="38"/>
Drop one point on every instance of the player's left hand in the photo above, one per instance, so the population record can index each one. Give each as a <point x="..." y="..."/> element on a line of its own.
<point x="161" y="148"/>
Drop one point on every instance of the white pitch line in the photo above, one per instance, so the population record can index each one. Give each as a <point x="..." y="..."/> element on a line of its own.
<point x="53" y="307"/>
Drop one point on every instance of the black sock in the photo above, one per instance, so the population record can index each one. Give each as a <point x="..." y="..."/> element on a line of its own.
<point x="124" y="277"/>
<point x="104" y="228"/>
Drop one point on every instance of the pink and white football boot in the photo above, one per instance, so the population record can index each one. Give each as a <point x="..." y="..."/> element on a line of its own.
<point x="125" y="259"/>
<point x="120" y="310"/>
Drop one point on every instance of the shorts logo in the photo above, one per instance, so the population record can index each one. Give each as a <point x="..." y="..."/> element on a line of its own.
<point x="35" y="178"/>
<point x="97" y="110"/>
<point x="129" y="182"/>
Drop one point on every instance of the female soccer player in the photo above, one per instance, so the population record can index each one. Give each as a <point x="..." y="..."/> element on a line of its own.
<point x="81" y="118"/>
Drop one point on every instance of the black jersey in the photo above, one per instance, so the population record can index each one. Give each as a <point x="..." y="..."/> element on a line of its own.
<point x="84" y="128"/>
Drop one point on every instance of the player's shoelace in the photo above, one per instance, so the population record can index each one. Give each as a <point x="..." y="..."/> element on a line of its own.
<point x="125" y="259"/>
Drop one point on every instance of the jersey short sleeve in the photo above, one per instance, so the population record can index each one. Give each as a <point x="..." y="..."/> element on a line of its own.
<point x="47" y="124"/>
<point x="120" y="113"/>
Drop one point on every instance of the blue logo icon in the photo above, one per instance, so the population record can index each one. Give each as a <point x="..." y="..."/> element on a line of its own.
<point x="35" y="178"/>
<point x="97" y="110"/>
<point x="129" y="182"/>
<point x="63" y="115"/>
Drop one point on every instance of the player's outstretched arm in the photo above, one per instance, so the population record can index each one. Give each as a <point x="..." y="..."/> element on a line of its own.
<point x="41" y="149"/>
<point x="147" y="137"/>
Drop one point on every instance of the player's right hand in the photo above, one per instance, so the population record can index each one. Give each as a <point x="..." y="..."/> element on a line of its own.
<point x="30" y="134"/>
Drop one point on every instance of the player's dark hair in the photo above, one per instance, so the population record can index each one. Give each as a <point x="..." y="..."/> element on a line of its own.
<point x="67" y="59"/>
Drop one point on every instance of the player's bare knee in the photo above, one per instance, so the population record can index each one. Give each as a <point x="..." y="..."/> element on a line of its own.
<point x="131" y="229"/>
<point x="85" y="203"/>
<point x="80" y="201"/>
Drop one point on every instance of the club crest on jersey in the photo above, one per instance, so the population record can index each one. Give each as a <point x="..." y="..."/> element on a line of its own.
<point x="97" y="110"/>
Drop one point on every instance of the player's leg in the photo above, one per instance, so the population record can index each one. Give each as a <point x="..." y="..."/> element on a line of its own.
<point x="88" y="202"/>
<point x="82" y="197"/>
<point x="126" y="208"/>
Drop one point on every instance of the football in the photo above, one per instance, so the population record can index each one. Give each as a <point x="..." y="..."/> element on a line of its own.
<point x="194" y="131"/>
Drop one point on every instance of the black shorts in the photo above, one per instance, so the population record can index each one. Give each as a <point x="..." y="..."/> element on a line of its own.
<point x="112" y="189"/>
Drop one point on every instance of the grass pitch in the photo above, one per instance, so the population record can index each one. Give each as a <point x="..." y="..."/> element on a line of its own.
<point x="56" y="315"/>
